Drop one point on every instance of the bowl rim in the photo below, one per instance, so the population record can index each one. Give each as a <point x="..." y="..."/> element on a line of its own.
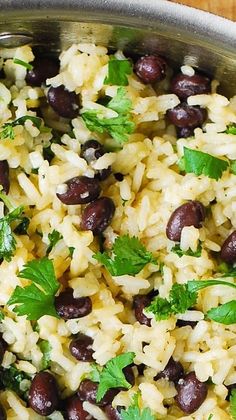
<point x="180" y="20"/>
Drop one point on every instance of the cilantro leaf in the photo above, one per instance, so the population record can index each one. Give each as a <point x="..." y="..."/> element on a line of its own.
<point x="120" y="103"/>
<point x="161" y="308"/>
<point x="36" y="299"/>
<point x="46" y="349"/>
<point x="134" y="412"/>
<point x="128" y="256"/>
<point x="2" y="316"/>
<point x="94" y="375"/>
<point x="180" y="299"/>
<point x="118" y="127"/>
<point x="112" y="375"/>
<point x="23" y="63"/>
<point x="233" y="404"/>
<point x="210" y="417"/>
<point x="11" y="378"/>
<point x="224" y="314"/>
<point x="232" y="165"/>
<point x="7" y="240"/>
<point x="201" y="163"/>
<point x="117" y="72"/>
<point x="53" y="237"/>
<point x="196" y="285"/>
<point x="177" y="250"/>
<point x="184" y="296"/>
<point x="231" y="129"/>
<point x="7" y="128"/>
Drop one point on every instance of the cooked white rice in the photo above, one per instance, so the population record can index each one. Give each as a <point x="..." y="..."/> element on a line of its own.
<point x="152" y="188"/>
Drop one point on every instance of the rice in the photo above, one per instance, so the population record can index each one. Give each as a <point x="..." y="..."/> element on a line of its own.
<point x="151" y="187"/>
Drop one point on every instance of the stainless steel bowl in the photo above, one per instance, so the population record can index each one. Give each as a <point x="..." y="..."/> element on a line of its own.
<point x="180" y="33"/>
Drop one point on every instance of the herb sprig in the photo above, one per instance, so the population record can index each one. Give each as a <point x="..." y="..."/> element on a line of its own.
<point x="128" y="256"/>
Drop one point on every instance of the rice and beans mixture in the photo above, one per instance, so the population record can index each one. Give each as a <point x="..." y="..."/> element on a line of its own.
<point x="117" y="239"/>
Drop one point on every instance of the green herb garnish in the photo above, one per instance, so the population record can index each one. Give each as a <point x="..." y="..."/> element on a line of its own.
<point x="37" y="299"/>
<point x="118" y="127"/>
<point x="112" y="375"/>
<point x="53" y="237"/>
<point x="233" y="404"/>
<point x="128" y="256"/>
<point x="8" y="128"/>
<point x="133" y="412"/>
<point x="117" y="72"/>
<point x="177" y="250"/>
<point x="201" y="163"/>
<point x="184" y="296"/>
<point x="23" y="63"/>
<point x="46" y="349"/>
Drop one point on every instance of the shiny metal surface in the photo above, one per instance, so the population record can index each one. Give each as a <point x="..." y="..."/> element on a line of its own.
<point x="178" y="32"/>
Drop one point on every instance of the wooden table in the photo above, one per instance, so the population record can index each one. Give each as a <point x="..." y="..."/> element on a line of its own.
<point x="226" y="8"/>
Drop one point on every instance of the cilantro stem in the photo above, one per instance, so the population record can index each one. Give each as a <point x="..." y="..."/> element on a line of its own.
<point x="6" y="201"/>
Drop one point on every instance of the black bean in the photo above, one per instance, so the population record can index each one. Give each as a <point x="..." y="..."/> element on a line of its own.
<point x="74" y="409"/>
<point x="63" y="102"/>
<point x="81" y="348"/>
<point x="129" y="375"/>
<point x="43" y="394"/>
<point x="3" y="414"/>
<point x="191" y="393"/>
<point x="150" y="68"/>
<point x="113" y="413"/>
<point x="69" y="307"/>
<point x="88" y="392"/>
<point x="184" y="115"/>
<point x="4" y="176"/>
<point x="172" y="372"/>
<point x="103" y="174"/>
<point x="98" y="215"/>
<point x="139" y="303"/>
<point x="181" y="323"/>
<point x="141" y="368"/>
<point x="119" y="177"/>
<point x="184" y="132"/>
<point x="230" y="389"/>
<point x="184" y="86"/>
<point x="93" y="150"/>
<point x="189" y="214"/>
<point x="80" y="190"/>
<point x="43" y="68"/>
<point x="228" y="249"/>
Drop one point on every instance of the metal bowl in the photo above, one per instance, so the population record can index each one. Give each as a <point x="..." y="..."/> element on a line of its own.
<point x="181" y="34"/>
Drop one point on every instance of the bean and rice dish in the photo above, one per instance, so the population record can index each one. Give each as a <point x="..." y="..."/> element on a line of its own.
<point x="117" y="239"/>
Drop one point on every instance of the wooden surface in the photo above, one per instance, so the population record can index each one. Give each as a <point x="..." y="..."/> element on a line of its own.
<point x="226" y="8"/>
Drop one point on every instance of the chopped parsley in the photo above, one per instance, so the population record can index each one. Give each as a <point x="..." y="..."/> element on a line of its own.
<point x="23" y="63"/>
<point x="11" y="378"/>
<point x="224" y="314"/>
<point x="232" y="166"/>
<point x="53" y="237"/>
<point x="7" y="240"/>
<point x="37" y="299"/>
<point x="8" y="128"/>
<point x="201" y="163"/>
<point x="177" y="250"/>
<point x="231" y="129"/>
<point x="46" y="349"/>
<point x="117" y="127"/>
<point x="233" y="404"/>
<point x="184" y="296"/>
<point x="117" y="72"/>
<point x="133" y="412"/>
<point x="112" y="375"/>
<point x="128" y="256"/>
